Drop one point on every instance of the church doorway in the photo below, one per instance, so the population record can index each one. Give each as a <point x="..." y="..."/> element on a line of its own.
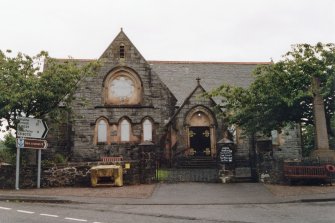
<point x="200" y="126"/>
<point x="200" y="141"/>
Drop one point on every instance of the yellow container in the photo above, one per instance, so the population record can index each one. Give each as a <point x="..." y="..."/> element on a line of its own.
<point x="113" y="171"/>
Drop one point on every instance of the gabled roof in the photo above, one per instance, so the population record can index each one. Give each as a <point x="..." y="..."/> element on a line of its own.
<point x="113" y="48"/>
<point x="180" y="76"/>
<point x="198" y="87"/>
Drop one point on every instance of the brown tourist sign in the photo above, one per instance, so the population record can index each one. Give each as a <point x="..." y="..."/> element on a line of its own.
<point x="31" y="143"/>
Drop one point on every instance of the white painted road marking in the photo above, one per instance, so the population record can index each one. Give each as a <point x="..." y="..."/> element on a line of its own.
<point x="4" y="208"/>
<point x="75" y="219"/>
<point x="50" y="215"/>
<point x="47" y="215"/>
<point x="26" y="212"/>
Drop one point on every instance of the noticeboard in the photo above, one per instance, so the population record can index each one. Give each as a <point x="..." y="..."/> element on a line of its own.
<point x="225" y="155"/>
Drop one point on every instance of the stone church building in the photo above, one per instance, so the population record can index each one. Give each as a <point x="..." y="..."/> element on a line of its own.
<point x="133" y="102"/>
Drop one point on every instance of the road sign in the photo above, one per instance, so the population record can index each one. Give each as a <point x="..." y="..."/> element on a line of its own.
<point x="32" y="128"/>
<point x="31" y="143"/>
<point x="20" y="142"/>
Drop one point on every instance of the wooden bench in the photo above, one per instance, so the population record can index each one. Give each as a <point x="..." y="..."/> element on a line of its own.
<point x="112" y="159"/>
<point x="307" y="172"/>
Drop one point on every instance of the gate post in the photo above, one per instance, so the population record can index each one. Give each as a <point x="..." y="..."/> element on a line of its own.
<point x="147" y="155"/>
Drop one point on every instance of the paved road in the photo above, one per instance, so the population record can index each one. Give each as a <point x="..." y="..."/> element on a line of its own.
<point x="180" y="203"/>
<point x="39" y="213"/>
<point x="233" y="213"/>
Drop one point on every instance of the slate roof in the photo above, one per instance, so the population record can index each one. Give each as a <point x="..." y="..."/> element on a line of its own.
<point x="180" y="76"/>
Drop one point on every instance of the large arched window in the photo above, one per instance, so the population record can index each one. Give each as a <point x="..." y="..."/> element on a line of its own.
<point x="125" y="130"/>
<point x="147" y="130"/>
<point x="122" y="87"/>
<point x="102" y="131"/>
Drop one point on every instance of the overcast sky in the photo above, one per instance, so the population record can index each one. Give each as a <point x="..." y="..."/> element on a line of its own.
<point x="198" y="30"/>
<point x="211" y="30"/>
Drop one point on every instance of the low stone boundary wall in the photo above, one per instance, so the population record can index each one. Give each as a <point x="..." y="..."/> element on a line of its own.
<point x="72" y="174"/>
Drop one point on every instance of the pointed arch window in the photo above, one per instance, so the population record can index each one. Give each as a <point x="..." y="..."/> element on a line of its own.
<point x="102" y="130"/>
<point x="147" y="130"/>
<point x="125" y="130"/>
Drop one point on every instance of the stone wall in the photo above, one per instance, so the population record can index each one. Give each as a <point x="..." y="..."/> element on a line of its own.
<point x="72" y="174"/>
<point x="157" y="103"/>
<point x="270" y="160"/>
<point x="289" y="144"/>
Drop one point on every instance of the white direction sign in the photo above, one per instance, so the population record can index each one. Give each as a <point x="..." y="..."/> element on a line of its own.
<point x="31" y="128"/>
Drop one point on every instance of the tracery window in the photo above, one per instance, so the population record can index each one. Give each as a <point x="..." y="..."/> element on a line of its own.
<point x="147" y="130"/>
<point x="122" y="87"/>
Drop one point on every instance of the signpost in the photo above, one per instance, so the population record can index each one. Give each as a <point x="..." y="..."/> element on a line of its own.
<point x="30" y="132"/>
<point x="32" y="128"/>
<point x="19" y="146"/>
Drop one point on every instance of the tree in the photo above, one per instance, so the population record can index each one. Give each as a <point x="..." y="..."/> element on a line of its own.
<point x="282" y="92"/>
<point x="8" y="149"/>
<point x="25" y="90"/>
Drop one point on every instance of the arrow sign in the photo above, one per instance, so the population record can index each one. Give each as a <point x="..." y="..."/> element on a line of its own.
<point x="31" y="143"/>
<point x="32" y="128"/>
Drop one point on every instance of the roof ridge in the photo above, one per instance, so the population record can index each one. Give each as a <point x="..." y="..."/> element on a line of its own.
<point x="83" y="60"/>
<point x="204" y="62"/>
<point x="176" y="61"/>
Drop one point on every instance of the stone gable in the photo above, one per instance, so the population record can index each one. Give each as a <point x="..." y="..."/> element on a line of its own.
<point x="157" y="103"/>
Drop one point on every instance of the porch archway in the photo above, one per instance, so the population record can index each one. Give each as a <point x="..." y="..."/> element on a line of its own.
<point x="200" y="126"/>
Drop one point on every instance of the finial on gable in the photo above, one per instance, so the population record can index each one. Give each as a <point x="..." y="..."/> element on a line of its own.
<point x="198" y="80"/>
<point x="121" y="29"/>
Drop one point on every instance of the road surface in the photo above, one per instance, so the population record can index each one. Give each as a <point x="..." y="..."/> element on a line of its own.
<point x="16" y="212"/>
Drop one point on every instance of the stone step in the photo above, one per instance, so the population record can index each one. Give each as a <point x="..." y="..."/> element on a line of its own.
<point x="197" y="163"/>
<point x="188" y="175"/>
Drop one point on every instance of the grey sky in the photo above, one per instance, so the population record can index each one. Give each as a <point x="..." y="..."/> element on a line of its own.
<point x="211" y="30"/>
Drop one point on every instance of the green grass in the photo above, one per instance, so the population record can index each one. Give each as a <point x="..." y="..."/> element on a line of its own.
<point x="162" y="174"/>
